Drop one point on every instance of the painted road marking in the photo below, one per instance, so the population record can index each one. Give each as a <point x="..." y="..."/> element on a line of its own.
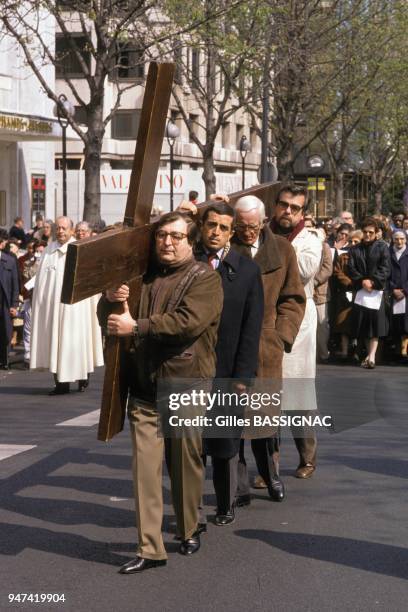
<point x="8" y="450"/>
<point x="85" y="420"/>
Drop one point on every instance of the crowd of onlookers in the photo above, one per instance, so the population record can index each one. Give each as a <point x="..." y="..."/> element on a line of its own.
<point x="361" y="319"/>
<point x="25" y="248"/>
<point x="350" y="252"/>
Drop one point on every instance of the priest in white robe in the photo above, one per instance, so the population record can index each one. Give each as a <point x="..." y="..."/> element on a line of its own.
<point x="66" y="339"/>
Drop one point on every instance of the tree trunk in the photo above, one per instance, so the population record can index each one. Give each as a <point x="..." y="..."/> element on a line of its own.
<point x="92" y="194"/>
<point x="378" y="201"/>
<point x="208" y="174"/>
<point x="338" y="187"/>
<point x="92" y="165"/>
<point x="285" y="165"/>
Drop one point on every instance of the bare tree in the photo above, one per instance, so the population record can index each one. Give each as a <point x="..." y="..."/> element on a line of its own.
<point x="99" y="38"/>
<point x="214" y="64"/>
<point x="309" y="78"/>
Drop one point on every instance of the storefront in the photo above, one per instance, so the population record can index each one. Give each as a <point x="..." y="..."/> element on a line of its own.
<point x="26" y="166"/>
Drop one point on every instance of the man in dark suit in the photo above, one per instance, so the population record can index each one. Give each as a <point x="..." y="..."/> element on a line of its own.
<point x="9" y="287"/>
<point x="237" y="344"/>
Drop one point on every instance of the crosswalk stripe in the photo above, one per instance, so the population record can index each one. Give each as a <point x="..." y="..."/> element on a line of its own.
<point x="85" y="420"/>
<point x="8" y="450"/>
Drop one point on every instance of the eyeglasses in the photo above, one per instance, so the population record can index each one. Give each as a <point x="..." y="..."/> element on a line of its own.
<point x="175" y="237"/>
<point x="241" y="227"/>
<point x="294" y="208"/>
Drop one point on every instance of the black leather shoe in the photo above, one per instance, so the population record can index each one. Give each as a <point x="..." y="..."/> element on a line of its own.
<point x="82" y="385"/>
<point x="242" y="500"/>
<point x="201" y="528"/>
<point x="60" y="389"/>
<point x="191" y="545"/>
<point x="139" y="565"/>
<point x="277" y="490"/>
<point x="225" y="519"/>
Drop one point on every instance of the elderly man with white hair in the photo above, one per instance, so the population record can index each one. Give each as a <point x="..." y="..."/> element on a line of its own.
<point x="82" y="230"/>
<point x="284" y="309"/>
<point x="66" y="339"/>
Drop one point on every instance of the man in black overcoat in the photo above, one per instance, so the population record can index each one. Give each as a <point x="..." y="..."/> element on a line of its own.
<point x="237" y="345"/>
<point x="9" y="287"/>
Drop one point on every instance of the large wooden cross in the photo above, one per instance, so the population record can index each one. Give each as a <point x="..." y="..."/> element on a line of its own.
<point x="121" y="256"/>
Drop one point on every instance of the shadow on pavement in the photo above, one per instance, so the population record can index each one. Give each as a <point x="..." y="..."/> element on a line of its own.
<point x="382" y="559"/>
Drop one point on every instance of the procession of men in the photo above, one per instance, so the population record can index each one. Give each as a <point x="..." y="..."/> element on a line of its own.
<point x="257" y="309"/>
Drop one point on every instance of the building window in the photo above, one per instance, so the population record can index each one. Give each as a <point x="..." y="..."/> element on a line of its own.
<point x="125" y="124"/>
<point x="66" y="61"/>
<point x="225" y="134"/>
<point x="239" y="133"/>
<point x="195" y="67"/>
<point x="178" y="61"/>
<point x="129" y="62"/>
<point x="80" y="115"/>
<point x="253" y="139"/>
<point x="193" y="126"/>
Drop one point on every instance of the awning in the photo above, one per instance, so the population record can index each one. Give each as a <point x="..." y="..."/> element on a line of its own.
<point x="16" y="127"/>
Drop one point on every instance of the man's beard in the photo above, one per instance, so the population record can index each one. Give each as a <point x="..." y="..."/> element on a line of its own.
<point x="285" y="229"/>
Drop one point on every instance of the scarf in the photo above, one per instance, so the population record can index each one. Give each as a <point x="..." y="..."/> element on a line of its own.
<point x="399" y="252"/>
<point x="276" y="229"/>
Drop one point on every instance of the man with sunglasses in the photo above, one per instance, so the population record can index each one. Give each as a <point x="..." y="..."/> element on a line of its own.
<point x="171" y="337"/>
<point x="288" y="222"/>
<point x="284" y="308"/>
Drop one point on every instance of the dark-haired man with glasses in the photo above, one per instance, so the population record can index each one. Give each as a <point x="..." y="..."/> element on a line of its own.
<point x="300" y="363"/>
<point x="172" y="335"/>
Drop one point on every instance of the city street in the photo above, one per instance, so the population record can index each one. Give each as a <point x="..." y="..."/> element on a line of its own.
<point x="337" y="542"/>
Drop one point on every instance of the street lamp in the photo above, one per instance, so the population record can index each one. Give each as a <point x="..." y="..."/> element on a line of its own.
<point x="64" y="110"/>
<point x="172" y="132"/>
<point x="315" y="163"/>
<point x="243" y="149"/>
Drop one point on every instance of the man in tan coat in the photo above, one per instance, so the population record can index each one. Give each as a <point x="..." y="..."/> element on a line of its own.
<point x="172" y="337"/>
<point x="284" y="309"/>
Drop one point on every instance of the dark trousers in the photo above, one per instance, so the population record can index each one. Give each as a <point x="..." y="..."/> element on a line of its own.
<point x="225" y="479"/>
<point x="266" y="453"/>
<point x="4" y="339"/>
<point x="4" y="350"/>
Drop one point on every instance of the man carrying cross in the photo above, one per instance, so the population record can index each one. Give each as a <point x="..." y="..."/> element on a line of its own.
<point x="173" y="334"/>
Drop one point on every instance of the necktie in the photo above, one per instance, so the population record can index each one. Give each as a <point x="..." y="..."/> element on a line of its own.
<point x="212" y="260"/>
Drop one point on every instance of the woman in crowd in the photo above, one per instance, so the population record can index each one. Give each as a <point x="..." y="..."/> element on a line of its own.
<point x="341" y="295"/>
<point x="46" y="233"/>
<point x="341" y="242"/>
<point x="369" y="268"/>
<point x="399" y="290"/>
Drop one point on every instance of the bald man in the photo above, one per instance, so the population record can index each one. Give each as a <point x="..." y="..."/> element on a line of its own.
<point x="66" y="339"/>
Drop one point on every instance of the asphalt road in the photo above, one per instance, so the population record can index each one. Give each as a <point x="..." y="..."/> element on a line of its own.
<point x="338" y="541"/>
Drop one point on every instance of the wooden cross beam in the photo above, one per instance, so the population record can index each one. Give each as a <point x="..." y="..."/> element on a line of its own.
<point x="121" y="256"/>
<point x="99" y="263"/>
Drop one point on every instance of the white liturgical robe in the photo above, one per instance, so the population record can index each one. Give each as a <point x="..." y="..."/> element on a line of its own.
<point x="66" y="339"/>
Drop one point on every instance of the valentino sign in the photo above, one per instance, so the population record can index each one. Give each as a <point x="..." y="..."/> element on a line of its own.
<point x="118" y="182"/>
